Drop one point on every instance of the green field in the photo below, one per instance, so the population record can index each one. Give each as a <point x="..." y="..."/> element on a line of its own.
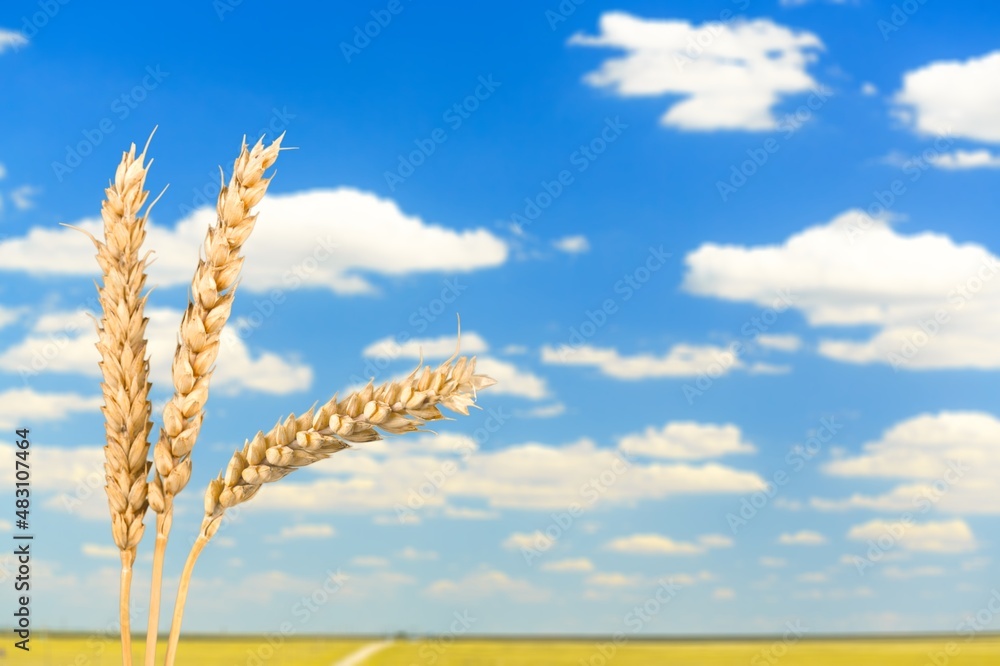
<point x="81" y="651"/>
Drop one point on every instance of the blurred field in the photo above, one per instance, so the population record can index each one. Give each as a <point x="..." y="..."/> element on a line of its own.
<point x="79" y="651"/>
<point x="100" y="651"/>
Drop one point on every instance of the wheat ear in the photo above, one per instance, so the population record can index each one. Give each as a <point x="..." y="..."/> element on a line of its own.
<point x="125" y="367"/>
<point x="393" y="408"/>
<point x="211" y="299"/>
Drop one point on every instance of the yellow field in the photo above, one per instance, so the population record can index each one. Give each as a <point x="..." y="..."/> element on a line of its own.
<point x="77" y="651"/>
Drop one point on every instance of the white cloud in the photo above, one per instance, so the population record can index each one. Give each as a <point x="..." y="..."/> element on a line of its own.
<point x="682" y="360"/>
<point x="411" y="553"/>
<point x="856" y="270"/>
<point x="900" y="573"/>
<point x="3" y="171"/>
<point x="785" y="343"/>
<point x="536" y="540"/>
<point x="100" y="551"/>
<point x="953" y="536"/>
<point x="773" y="562"/>
<point x="530" y="476"/>
<point x="11" y="40"/>
<point x="462" y="513"/>
<point x="966" y="159"/>
<point x="572" y="244"/>
<point x="543" y="411"/>
<point x="954" y="97"/>
<point x="429" y="348"/>
<point x="21" y="196"/>
<point x="573" y="565"/>
<point x="657" y="544"/>
<point x="327" y="238"/>
<point x="723" y="593"/>
<point x="369" y="561"/>
<point x="687" y="440"/>
<point x="21" y="406"/>
<point x="64" y="342"/>
<point x="485" y="584"/>
<point x="949" y="461"/>
<point x="307" y="531"/>
<point x="512" y="380"/>
<point x="802" y="538"/>
<point x="869" y="89"/>
<point x="730" y="75"/>
<point x="614" y="579"/>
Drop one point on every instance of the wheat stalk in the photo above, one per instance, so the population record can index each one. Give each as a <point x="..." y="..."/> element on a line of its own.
<point x="395" y="407"/>
<point x="213" y="289"/>
<point x="125" y="367"/>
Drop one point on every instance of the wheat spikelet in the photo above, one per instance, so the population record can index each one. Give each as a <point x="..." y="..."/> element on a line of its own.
<point x="212" y="291"/>
<point x="394" y="408"/>
<point x="124" y="365"/>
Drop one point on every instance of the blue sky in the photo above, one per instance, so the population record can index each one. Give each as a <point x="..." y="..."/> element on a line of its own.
<point x="731" y="262"/>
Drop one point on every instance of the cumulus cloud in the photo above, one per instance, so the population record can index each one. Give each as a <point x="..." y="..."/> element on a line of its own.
<point x="953" y="97"/>
<point x="572" y="565"/>
<point x="63" y="342"/>
<point x="953" y="536"/>
<point x="529" y="476"/>
<point x="681" y="360"/>
<point x="18" y="406"/>
<point x="687" y="440"/>
<point x="966" y="159"/>
<point x="320" y="238"/>
<point x="307" y="531"/>
<point x="729" y="76"/>
<point x="932" y="302"/>
<point x="658" y="544"/>
<point x="802" y="538"/>
<point x="11" y="40"/>
<point x="949" y="461"/>
<point x="486" y="584"/>
<point x="572" y="244"/>
<point x="428" y="348"/>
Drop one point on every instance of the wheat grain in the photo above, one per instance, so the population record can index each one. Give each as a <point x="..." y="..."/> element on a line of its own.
<point x="395" y="407"/>
<point x="124" y="366"/>
<point x="213" y="289"/>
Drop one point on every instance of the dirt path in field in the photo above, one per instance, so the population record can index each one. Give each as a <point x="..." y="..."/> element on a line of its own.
<point x="358" y="657"/>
